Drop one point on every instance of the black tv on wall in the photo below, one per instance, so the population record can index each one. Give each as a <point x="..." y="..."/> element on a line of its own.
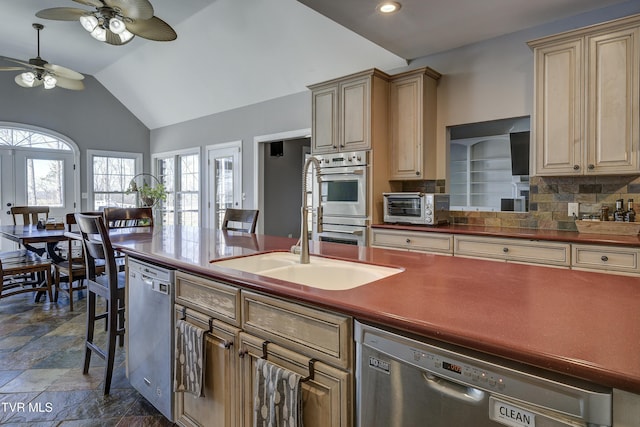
<point x="519" y="153"/>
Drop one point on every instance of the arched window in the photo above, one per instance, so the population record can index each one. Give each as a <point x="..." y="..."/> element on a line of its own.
<point x="25" y="138"/>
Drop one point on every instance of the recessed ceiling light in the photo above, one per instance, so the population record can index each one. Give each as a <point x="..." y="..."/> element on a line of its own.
<point x="388" y="7"/>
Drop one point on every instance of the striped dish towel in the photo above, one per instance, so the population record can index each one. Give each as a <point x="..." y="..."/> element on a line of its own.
<point x="277" y="396"/>
<point x="189" y="358"/>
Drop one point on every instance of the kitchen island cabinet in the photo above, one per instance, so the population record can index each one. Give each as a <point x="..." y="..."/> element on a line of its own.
<point x="583" y="324"/>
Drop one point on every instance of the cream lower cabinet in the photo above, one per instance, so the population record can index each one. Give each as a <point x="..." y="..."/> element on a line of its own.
<point x="513" y="250"/>
<point x="296" y="334"/>
<point x="215" y="307"/>
<point x="587" y="93"/>
<point x="610" y="259"/>
<point x="440" y="243"/>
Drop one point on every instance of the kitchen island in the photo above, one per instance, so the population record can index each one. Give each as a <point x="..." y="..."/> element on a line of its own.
<point x="582" y="324"/>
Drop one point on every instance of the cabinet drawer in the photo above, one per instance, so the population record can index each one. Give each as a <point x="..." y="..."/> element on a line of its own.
<point x="208" y="296"/>
<point x="514" y="250"/>
<point x="608" y="258"/>
<point x="426" y="242"/>
<point x="311" y="332"/>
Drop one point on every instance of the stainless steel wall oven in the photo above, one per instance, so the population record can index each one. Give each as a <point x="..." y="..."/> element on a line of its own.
<point x="342" y="195"/>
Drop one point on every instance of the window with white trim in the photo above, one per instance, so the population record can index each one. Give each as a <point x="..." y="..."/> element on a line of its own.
<point x="109" y="174"/>
<point x="180" y="174"/>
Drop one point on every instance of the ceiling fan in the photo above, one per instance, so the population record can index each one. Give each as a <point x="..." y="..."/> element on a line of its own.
<point x="115" y="22"/>
<point x="40" y="72"/>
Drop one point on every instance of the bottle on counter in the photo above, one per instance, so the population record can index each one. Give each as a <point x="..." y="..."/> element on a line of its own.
<point x="618" y="214"/>
<point x="630" y="214"/>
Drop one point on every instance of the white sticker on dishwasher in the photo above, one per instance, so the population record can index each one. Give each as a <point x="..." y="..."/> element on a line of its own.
<point x="510" y="415"/>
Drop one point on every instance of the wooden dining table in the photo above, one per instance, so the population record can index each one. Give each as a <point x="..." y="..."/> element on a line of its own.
<point x="28" y="235"/>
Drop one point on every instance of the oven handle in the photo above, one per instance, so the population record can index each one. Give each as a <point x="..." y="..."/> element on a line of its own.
<point x="466" y="394"/>
<point x="354" y="172"/>
<point x="353" y="233"/>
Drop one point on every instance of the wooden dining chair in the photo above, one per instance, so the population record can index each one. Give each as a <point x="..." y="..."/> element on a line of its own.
<point x="240" y="220"/>
<point x="71" y="267"/>
<point x="29" y="215"/>
<point x="110" y="286"/>
<point x="128" y="217"/>
<point x="24" y="271"/>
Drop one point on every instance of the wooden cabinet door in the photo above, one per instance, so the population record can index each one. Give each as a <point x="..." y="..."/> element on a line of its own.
<point x="219" y="405"/>
<point x="558" y="129"/>
<point x="355" y="114"/>
<point x="406" y="128"/>
<point x="327" y="399"/>
<point x="324" y="106"/>
<point x="613" y="94"/>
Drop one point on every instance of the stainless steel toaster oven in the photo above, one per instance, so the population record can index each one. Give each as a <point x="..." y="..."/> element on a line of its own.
<point x="416" y="208"/>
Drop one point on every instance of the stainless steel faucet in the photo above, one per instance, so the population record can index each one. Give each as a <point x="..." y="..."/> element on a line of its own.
<point x="304" y="233"/>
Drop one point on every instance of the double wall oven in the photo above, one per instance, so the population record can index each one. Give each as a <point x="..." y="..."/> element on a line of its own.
<point x="342" y="196"/>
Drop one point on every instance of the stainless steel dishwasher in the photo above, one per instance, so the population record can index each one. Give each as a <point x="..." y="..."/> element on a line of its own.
<point x="149" y="312"/>
<point x="403" y="382"/>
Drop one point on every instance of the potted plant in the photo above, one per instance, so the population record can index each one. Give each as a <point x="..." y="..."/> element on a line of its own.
<point x="148" y="195"/>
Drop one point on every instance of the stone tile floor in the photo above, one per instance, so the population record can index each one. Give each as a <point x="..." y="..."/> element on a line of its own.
<point x="41" y="380"/>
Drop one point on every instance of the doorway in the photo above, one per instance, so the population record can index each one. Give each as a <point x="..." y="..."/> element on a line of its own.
<point x="278" y="181"/>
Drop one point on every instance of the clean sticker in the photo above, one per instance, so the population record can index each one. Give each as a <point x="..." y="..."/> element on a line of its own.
<point x="510" y="415"/>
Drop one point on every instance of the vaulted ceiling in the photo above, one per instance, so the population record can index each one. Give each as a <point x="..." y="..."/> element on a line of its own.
<point x="232" y="53"/>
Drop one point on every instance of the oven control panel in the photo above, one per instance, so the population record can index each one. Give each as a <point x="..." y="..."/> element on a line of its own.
<point x="354" y="158"/>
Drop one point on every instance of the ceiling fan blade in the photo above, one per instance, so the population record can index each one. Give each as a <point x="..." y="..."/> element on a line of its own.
<point x="26" y="64"/>
<point x="94" y="3"/>
<point x="60" y="71"/>
<point x="134" y="9"/>
<point x="12" y="68"/>
<point x="62" y="13"/>
<point x="70" y="84"/>
<point x="152" y="29"/>
<point x="21" y="82"/>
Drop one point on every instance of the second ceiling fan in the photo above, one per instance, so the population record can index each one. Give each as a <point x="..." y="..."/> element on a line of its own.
<point x="115" y="22"/>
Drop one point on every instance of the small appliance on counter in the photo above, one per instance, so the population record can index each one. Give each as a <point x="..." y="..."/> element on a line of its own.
<point x="416" y="208"/>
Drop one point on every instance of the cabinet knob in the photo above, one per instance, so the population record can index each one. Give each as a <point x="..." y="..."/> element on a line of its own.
<point x="242" y="353"/>
<point x="591" y="167"/>
<point x="505" y="250"/>
<point x="604" y="258"/>
<point x="417" y="173"/>
<point x="576" y="167"/>
<point x="408" y="240"/>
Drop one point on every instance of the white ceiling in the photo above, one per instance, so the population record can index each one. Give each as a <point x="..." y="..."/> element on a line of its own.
<point x="232" y="53"/>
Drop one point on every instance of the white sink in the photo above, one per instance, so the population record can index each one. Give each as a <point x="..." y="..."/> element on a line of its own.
<point x="322" y="273"/>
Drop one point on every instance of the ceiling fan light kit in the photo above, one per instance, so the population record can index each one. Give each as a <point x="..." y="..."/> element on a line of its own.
<point x="39" y="72"/>
<point x="115" y="22"/>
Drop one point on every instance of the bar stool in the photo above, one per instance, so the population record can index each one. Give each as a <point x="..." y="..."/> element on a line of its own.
<point x="110" y="286"/>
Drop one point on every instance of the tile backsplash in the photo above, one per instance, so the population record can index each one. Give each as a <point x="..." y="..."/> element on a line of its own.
<point x="549" y="197"/>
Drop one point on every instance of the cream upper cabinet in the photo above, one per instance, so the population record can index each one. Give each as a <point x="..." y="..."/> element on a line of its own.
<point x="412" y="120"/>
<point x="349" y="113"/>
<point x="587" y="92"/>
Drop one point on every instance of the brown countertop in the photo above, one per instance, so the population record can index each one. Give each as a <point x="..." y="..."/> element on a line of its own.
<point x="521" y="233"/>
<point x="578" y="323"/>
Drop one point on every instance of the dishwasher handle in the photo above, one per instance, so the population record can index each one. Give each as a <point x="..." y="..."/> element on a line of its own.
<point x="457" y="391"/>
